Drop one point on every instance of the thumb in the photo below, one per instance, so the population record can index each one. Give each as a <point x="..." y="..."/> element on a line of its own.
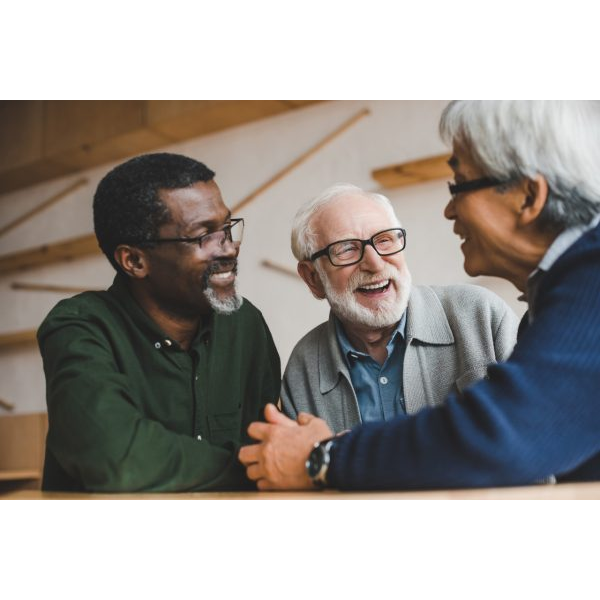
<point x="273" y="416"/>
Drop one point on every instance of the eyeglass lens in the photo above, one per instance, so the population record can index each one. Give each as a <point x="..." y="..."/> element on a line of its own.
<point x="229" y="233"/>
<point x="349" y="251"/>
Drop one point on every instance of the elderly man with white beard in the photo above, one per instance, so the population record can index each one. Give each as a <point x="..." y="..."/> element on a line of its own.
<point x="388" y="348"/>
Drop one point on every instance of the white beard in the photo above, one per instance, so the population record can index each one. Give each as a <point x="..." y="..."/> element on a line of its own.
<point x="346" y="307"/>
<point x="224" y="306"/>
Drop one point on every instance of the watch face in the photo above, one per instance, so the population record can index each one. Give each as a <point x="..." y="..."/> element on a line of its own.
<point x="314" y="462"/>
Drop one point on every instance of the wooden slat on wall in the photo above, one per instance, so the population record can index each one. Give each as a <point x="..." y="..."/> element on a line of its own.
<point x="17" y="338"/>
<point x="49" y="253"/>
<point x="42" y="206"/>
<point x="416" y="171"/>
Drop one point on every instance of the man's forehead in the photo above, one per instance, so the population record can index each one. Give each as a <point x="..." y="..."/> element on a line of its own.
<point x="196" y="205"/>
<point x="198" y="191"/>
<point x="352" y="216"/>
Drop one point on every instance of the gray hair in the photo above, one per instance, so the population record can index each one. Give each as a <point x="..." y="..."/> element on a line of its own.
<point x="303" y="234"/>
<point x="559" y="140"/>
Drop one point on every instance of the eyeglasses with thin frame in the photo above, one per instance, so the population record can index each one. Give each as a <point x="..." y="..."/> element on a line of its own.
<point x="349" y="252"/>
<point x="474" y="185"/>
<point x="232" y="232"/>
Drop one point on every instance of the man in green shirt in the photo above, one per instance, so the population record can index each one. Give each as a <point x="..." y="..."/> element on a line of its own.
<point x="152" y="384"/>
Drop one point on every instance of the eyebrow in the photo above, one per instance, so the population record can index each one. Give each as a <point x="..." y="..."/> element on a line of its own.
<point x="197" y="224"/>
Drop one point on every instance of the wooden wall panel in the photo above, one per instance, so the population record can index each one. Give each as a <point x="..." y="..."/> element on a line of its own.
<point x="135" y="142"/>
<point x="79" y="123"/>
<point x="47" y="139"/>
<point x="182" y="119"/>
<point x="22" y="447"/>
<point x="30" y="173"/>
<point x="21" y="124"/>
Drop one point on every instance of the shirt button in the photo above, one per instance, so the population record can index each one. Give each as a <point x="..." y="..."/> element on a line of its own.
<point x="157" y="345"/>
<point x="383" y="380"/>
<point x="199" y="438"/>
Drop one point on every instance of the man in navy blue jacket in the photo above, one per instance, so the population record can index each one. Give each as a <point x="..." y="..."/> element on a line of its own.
<point x="526" y="202"/>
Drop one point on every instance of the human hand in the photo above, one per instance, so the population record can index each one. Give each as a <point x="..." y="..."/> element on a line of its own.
<point x="278" y="461"/>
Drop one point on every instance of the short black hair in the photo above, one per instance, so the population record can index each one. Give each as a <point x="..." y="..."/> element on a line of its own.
<point x="127" y="207"/>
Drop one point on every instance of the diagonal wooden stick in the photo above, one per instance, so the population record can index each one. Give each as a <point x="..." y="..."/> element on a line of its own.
<point x="6" y="405"/>
<point x="43" y="206"/>
<point x="280" y="268"/>
<point x="298" y="161"/>
<point x="16" y="338"/>
<point x="43" y="287"/>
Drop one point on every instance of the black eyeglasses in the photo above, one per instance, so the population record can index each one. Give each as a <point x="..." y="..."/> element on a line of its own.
<point x="230" y="232"/>
<point x="350" y="252"/>
<point x="474" y="185"/>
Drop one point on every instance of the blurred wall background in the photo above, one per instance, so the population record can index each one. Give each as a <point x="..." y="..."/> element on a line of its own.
<point x="48" y="147"/>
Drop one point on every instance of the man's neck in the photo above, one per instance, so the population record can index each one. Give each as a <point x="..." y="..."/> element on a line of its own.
<point x="372" y="341"/>
<point x="179" y="328"/>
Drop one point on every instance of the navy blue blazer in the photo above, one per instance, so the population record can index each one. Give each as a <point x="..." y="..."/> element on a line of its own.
<point x="536" y="415"/>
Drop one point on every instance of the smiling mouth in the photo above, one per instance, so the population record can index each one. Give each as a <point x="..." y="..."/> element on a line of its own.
<point x="222" y="275"/>
<point x="223" y="279"/>
<point x="462" y="236"/>
<point x="375" y="288"/>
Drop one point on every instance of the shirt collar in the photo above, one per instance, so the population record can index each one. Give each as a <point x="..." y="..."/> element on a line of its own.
<point x="558" y="247"/>
<point x="426" y="321"/>
<point x="348" y="350"/>
<point x="563" y="242"/>
<point x="155" y="335"/>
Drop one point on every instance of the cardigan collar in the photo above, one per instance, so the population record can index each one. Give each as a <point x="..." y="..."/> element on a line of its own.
<point x="426" y="322"/>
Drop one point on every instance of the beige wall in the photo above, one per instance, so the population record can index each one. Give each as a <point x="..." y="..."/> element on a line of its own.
<point x="244" y="157"/>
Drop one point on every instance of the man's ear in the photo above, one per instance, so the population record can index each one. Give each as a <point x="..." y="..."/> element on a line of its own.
<point x="132" y="260"/>
<point x="536" y="196"/>
<point x="307" y="271"/>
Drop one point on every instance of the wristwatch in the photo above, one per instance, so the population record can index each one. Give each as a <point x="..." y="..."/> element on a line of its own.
<point x="317" y="464"/>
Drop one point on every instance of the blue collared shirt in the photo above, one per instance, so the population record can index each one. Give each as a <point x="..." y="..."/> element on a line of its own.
<point x="378" y="388"/>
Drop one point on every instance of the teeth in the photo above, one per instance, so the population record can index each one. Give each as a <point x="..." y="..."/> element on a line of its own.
<point x="223" y="275"/>
<point x="375" y="286"/>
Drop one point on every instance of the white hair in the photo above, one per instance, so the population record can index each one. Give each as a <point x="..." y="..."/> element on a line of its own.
<point x="303" y="234"/>
<point x="511" y="139"/>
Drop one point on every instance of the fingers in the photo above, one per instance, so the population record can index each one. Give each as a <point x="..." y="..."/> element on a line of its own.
<point x="249" y="454"/>
<point x="254" y="472"/>
<point x="273" y="416"/>
<point x="264" y="484"/>
<point x="259" y="431"/>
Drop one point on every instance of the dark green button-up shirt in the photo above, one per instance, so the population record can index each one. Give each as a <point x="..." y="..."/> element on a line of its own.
<point x="130" y="410"/>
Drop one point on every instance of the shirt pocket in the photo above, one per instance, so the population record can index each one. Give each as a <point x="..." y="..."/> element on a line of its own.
<point x="225" y="427"/>
<point x="473" y="375"/>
